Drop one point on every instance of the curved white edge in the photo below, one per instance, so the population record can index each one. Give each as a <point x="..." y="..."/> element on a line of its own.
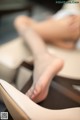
<point x="36" y="112"/>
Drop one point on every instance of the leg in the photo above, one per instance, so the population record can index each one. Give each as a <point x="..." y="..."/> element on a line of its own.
<point x="45" y="65"/>
<point x="52" y="30"/>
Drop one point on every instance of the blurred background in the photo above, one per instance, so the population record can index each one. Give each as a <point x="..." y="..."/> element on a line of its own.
<point x="9" y="9"/>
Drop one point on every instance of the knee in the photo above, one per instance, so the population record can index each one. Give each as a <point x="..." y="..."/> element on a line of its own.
<point x="21" y="20"/>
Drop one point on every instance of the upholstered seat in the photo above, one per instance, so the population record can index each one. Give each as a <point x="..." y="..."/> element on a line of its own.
<point x="12" y="54"/>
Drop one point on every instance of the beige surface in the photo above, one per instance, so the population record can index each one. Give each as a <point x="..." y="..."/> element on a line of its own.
<point x="71" y="59"/>
<point x="20" y="106"/>
<point x="12" y="54"/>
<point x="15" y="111"/>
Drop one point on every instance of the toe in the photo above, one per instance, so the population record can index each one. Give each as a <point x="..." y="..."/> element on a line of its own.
<point x="36" y="91"/>
<point x="30" y="92"/>
<point x="34" y="94"/>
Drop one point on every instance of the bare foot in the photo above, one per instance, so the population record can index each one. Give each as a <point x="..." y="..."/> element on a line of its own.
<point x="45" y="68"/>
<point x="45" y="65"/>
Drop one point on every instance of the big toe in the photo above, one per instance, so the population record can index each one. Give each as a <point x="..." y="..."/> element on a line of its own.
<point x="30" y="92"/>
<point x="34" y="91"/>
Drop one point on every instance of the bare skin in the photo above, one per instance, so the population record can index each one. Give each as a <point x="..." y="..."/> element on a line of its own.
<point x="46" y="66"/>
<point x="62" y="33"/>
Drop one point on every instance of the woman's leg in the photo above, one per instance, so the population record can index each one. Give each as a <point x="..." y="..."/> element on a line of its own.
<point x="63" y="33"/>
<point x="46" y="66"/>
